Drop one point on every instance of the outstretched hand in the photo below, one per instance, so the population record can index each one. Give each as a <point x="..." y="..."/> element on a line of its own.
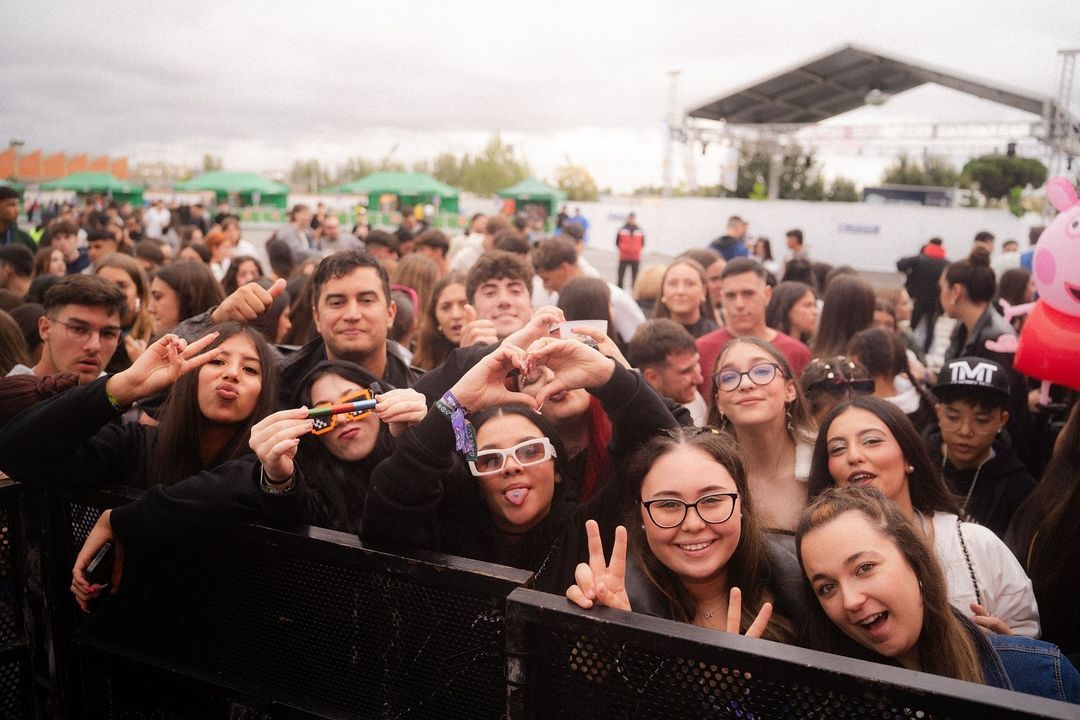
<point x="483" y="386"/>
<point x="248" y="302"/>
<point x="400" y="409"/>
<point x="159" y="366"/>
<point x="477" y="331"/>
<point x="575" y="364"/>
<point x="275" y="439"/>
<point x="599" y="581"/>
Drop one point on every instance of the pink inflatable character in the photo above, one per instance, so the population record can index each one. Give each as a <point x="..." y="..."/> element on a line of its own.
<point x="1049" y="344"/>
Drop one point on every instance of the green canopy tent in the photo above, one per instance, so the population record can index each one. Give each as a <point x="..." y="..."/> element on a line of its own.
<point x="86" y="183"/>
<point x="531" y="191"/>
<point x="247" y="188"/>
<point x="410" y="188"/>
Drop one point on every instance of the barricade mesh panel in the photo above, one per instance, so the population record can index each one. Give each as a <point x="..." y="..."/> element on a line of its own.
<point x="570" y="675"/>
<point x="10" y="609"/>
<point x="14" y="679"/>
<point x="329" y="635"/>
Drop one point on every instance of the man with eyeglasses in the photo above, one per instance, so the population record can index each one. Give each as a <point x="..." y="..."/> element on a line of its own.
<point x="971" y="446"/>
<point x="80" y="329"/>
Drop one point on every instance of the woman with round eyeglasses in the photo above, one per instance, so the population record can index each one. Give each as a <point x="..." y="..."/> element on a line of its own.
<point x="697" y="553"/>
<point x="881" y="595"/>
<point x="757" y="399"/>
<point x="507" y="502"/>
<point x="869" y="442"/>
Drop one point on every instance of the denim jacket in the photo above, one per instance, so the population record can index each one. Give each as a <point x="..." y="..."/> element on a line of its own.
<point x="1027" y="665"/>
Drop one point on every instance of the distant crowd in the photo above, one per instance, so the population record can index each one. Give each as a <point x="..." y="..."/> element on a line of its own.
<point x="763" y="445"/>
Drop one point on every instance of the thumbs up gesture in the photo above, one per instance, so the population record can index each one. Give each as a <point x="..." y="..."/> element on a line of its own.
<point x="248" y="302"/>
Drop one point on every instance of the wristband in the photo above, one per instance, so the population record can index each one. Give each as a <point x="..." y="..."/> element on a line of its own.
<point x="464" y="434"/>
<point x="275" y="488"/>
<point x="114" y="402"/>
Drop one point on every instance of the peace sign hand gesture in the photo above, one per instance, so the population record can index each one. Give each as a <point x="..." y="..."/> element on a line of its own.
<point x="159" y="366"/>
<point x="734" y="615"/>
<point x="600" y="581"/>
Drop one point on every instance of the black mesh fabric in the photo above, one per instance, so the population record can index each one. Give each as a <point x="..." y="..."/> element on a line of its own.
<point x="583" y="667"/>
<point x="338" y="632"/>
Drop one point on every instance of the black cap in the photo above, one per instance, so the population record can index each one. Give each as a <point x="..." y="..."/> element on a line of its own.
<point x="968" y="377"/>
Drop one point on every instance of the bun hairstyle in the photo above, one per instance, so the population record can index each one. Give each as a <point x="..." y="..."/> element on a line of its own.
<point x="975" y="275"/>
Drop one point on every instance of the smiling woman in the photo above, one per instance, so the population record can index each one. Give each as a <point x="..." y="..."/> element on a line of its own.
<point x="516" y="502"/>
<point x="869" y="442"/>
<point x="880" y="593"/>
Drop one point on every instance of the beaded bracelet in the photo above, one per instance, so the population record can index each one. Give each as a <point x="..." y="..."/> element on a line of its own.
<point x="464" y="434"/>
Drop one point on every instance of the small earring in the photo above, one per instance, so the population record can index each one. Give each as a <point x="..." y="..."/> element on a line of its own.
<point x="790" y="419"/>
<point x="910" y="469"/>
<point x="439" y="328"/>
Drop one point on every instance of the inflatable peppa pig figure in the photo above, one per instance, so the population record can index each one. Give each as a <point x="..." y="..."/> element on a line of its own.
<point x="1049" y="345"/>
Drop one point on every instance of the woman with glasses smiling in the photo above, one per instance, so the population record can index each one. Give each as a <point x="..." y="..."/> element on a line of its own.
<point x="503" y="498"/>
<point x="757" y="399"/>
<point x="694" y="537"/>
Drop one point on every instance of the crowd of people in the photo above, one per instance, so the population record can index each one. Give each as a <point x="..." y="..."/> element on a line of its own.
<point x="778" y="449"/>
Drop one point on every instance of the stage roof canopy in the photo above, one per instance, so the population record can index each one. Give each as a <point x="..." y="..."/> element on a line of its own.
<point x="840" y="81"/>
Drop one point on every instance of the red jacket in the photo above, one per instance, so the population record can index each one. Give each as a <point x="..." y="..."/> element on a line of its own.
<point x="630" y="240"/>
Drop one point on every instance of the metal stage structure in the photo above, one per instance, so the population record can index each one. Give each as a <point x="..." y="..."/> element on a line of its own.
<point x="786" y="108"/>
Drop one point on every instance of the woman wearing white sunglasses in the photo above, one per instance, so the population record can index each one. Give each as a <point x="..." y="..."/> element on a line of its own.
<point x="505" y="503"/>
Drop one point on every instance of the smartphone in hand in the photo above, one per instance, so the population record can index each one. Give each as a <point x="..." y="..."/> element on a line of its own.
<point x="99" y="571"/>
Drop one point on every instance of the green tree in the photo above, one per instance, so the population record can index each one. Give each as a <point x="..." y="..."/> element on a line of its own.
<point x="933" y="171"/>
<point x="211" y="162"/>
<point x="447" y="168"/>
<point x="842" y="190"/>
<point x="495" y="168"/>
<point x="353" y="168"/>
<point x="309" y="175"/>
<point x="799" y="176"/>
<point x="576" y="182"/>
<point x="998" y="175"/>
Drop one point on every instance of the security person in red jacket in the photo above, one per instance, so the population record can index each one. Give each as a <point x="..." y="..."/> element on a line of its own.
<point x="630" y="240"/>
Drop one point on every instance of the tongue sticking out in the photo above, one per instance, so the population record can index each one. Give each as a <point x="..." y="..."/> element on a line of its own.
<point x="517" y="495"/>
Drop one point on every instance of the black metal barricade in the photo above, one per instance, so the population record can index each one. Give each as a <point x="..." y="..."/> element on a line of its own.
<point x="308" y="624"/>
<point x="16" y="680"/>
<point x="563" y="662"/>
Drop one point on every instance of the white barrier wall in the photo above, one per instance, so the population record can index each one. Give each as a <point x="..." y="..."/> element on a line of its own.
<point x="867" y="236"/>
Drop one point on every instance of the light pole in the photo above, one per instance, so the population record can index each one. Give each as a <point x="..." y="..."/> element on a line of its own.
<point x="15" y="145"/>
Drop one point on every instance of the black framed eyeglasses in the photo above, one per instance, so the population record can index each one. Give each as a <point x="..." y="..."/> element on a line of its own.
<point x="714" y="509"/>
<point x="838" y="386"/>
<point x="760" y="374"/>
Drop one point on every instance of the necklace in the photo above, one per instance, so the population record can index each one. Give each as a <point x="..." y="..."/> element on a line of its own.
<point x="974" y="480"/>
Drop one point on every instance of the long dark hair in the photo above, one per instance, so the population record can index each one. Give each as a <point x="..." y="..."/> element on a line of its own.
<point x="848" y="308"/>
<point x="945" y="645"/>
<point x="339" y="488"/>
<point x="975" y="275"/>
<point x="1044" y="528"/>
<point x="195" y="286"/>
<point x="432" y="346"/>
<point x="177" y="449"/>
<point x="927" y="488"/>
<point x="228" y="282"/>
<point x="749" y="568"/>
<point x="784" y="297"/>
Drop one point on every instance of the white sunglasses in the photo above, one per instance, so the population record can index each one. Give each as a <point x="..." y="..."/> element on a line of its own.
<point x="530" y="452"/>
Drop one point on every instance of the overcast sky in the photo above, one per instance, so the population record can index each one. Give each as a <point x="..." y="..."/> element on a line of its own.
<point x="262" y="84"/>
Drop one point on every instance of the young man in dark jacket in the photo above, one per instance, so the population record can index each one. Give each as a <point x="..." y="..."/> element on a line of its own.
<point x="969" y="441"/>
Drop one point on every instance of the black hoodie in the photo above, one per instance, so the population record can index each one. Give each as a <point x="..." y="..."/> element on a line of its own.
<point x="1003" y="482"/>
